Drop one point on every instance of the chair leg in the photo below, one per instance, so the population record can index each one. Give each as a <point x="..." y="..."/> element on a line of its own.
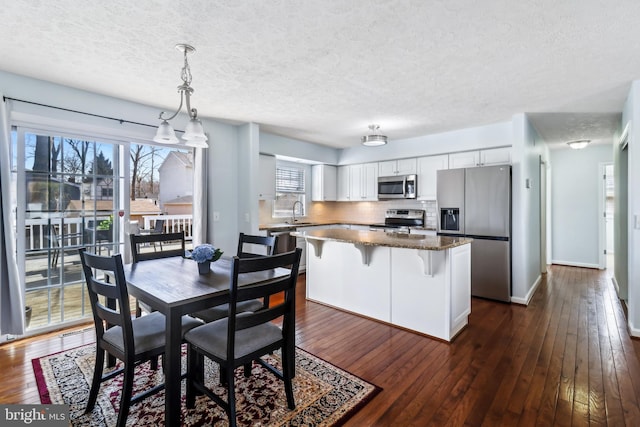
<point x="191" y="377"/>
<point x="247" y="369"/>
<point x="286" y="374"/>
<point x="127" y="393"/>
<point x="223" y="377"/>
<point x="231" y="393"/>
<point x="97" y="379"/>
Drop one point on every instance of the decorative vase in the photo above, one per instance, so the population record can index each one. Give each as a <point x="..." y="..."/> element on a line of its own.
<point x="204" y="267"/>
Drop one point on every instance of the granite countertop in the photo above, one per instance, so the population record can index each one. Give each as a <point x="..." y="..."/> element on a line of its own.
<point x="285" y="226"/>
<point x="379" y="238"/>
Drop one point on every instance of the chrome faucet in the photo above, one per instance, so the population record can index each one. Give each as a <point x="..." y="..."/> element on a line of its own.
<point x="293" y="210"/>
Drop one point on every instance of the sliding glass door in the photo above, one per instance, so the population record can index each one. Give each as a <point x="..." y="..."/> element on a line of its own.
<point x="70" y="194"/>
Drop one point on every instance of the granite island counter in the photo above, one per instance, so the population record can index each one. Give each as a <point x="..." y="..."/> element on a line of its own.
<point x="418" y="282"/>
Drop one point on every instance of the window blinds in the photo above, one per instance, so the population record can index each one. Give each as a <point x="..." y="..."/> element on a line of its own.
<point x="289" y="180"/>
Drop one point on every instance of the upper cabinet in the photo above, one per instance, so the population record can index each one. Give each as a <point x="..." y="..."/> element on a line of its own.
<point x="427" y="168"/>
<point x="469" y="159"/>
<point x="323" y="183"/>
<point x="267" y="171"/>
<point x="495" y="156"/>
<point x="397" y="167"/>
<point x="344" y="184"/>
<point x="358" y="183"/>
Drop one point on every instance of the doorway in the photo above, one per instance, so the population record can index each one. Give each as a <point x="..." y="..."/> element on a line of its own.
<point x="69" y="195"/>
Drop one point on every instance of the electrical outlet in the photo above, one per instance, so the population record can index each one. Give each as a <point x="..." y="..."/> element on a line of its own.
<point x="216" y="216"/>
<point x="247" y="217"/>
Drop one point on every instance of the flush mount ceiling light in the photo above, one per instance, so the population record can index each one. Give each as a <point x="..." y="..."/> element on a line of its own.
<point x="374" y="139"/>
<point x="579" y="144"/>
<point x="194" y="132"/>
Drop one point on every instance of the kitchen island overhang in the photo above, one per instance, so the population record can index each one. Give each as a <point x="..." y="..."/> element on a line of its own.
<point x="417" y="282"/>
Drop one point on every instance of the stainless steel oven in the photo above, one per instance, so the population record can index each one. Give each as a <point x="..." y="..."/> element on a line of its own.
<point x="397" y="187"/>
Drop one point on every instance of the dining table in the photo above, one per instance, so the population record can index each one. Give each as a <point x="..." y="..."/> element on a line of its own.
<point x="174" y="287"/>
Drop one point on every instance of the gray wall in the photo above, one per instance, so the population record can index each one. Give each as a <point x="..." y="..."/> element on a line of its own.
<point x="576" y="191"/>
<point x="525" y="188"/>
<point x="631" y="113"/>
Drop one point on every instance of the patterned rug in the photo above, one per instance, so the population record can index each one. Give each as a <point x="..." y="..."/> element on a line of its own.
<point x="325" y="395"/>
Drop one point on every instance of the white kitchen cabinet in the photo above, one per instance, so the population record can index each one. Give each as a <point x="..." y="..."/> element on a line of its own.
<point x="488" y="157"/>
<point x="267" y="173"/>
<point x="426" y="171"/>
<point x="466" y="159"/>
<point x="495" y="156"/>
<point x="357" y="183"/>
<point x="323" y="183"/>
<point x="344" y="184"/>
<point x="436" y="304"/>
<point x="397" y="167"/>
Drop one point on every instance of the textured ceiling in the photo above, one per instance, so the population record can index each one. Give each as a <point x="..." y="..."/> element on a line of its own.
<point x="322" y="71"/>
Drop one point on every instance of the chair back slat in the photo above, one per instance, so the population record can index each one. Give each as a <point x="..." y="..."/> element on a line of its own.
<point x="160" y="251"/>
<point x="108" y="295"/>
<point x="286" y="284"/>
<point x="158" y="226"/>
<point x="268" y="241"/>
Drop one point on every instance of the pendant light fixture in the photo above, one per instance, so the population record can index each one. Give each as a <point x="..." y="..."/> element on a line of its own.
<point x="194" y="135"/>
<point x="578" y="144"/>
<point x="374" y="139"/>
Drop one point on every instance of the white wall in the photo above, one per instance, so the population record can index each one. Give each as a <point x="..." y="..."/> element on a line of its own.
<point x="280" y="145"/>
<point x="490" y="136"/>
<point x="575" y="196"/>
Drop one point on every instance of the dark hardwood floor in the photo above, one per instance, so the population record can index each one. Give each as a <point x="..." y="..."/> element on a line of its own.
<point x="566" y="359"/>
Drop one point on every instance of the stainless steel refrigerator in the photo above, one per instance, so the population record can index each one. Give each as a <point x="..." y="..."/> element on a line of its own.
<point x="476" y="202"/>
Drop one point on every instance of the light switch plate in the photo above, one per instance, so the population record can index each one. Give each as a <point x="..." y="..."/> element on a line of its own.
<point x="636" y="221"/>
<point x="216" y="216"/>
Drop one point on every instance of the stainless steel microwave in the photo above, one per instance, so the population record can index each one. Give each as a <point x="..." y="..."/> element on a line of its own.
<point x="397" y="187"/>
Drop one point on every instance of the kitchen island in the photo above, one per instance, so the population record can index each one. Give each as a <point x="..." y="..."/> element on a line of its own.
<point x="418" y="282"/>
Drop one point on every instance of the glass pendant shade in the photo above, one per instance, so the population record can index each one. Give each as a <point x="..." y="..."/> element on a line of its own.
<point x="194" y="135"/>
<point x="198" y="143"/>
<point x="194" y="131"/>
<point x="165" y="134"/>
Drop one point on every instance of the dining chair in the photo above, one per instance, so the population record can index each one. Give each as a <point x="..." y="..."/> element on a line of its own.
<point x="158" y="228"/>
<point x="130" y="340"/>
<point x="238" y="340"/>
<point x="173" y="246"/>
<point x="220" y="311"/>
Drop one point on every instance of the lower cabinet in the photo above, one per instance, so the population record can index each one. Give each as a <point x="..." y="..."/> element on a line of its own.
<point x="425" y="291"/>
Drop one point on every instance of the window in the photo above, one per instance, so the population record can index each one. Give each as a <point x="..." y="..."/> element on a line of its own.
<point x="290" y="188"/>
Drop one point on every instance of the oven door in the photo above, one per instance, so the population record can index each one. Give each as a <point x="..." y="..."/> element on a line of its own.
<point x="391" y="187"/>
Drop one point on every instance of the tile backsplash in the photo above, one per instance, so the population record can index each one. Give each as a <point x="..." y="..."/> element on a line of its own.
<point x="359" y="212"/>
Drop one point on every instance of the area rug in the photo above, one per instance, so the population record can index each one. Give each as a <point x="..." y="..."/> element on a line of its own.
<point x="325" y="395"/>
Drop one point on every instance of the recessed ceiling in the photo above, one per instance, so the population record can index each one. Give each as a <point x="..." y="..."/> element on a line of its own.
<point x="322" y="71"/>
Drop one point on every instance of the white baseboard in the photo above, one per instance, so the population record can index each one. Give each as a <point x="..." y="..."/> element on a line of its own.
<point x="532" y="291"/>
<point x="575" y="264"/>
<point x="615" y="285"/>
<point x="634" y="332"/>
